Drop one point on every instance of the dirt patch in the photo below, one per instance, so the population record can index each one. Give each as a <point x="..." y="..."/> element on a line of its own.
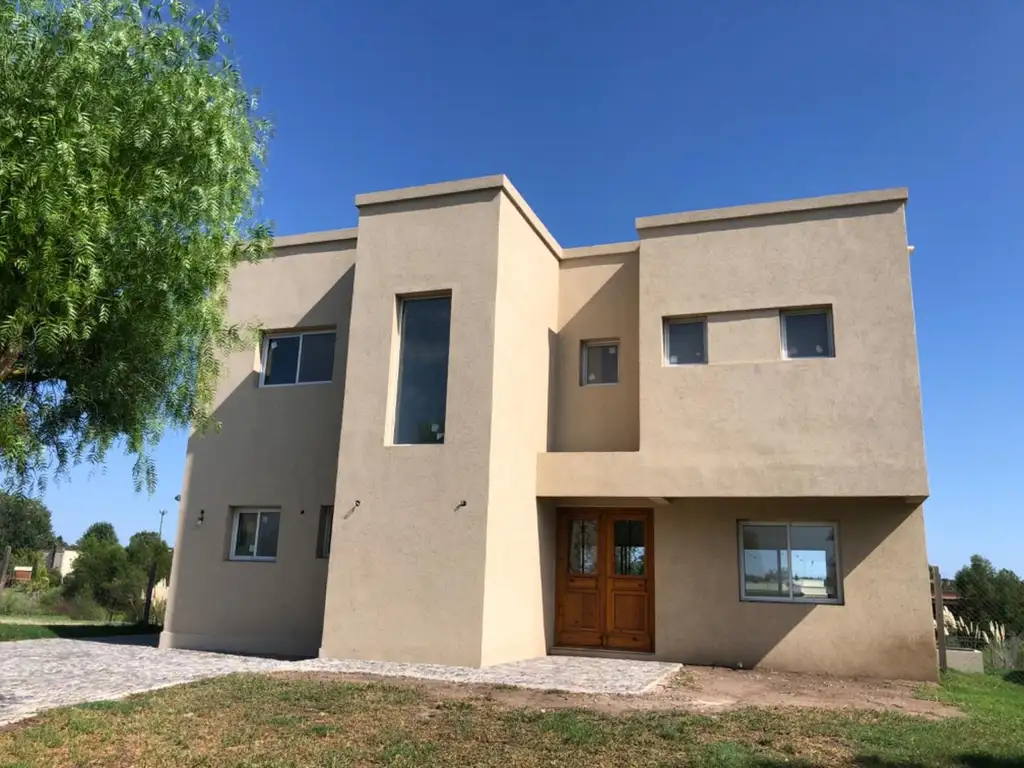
<point x="698" y="689"/>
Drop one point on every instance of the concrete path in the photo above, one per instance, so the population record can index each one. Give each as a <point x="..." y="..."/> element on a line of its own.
<point x="41" y="674"/>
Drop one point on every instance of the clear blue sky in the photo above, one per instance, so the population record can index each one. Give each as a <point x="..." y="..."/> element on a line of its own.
<point x="601" y="112"/>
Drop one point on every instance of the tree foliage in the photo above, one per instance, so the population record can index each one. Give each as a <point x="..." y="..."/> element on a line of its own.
<point x="986" y="595"/>
<point x="103" y="572"/>
<point x="102" y="532"/>
<point x="146" y="548"/>
<point x="130" y="160"/>
<point x="25" y="524"/>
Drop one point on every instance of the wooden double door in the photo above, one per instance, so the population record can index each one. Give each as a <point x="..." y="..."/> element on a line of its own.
<point x="604" y="596"/>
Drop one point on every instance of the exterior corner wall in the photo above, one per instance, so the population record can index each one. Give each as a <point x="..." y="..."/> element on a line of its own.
<point x="406" y="580"/>
<point x="598" y="299"/>
<point x="526" y="316"/>
<point x="882" y="629"/>
<point x="277" y="447"/>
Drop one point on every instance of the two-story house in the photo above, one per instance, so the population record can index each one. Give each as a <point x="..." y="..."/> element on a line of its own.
<point x="461" y="443"/>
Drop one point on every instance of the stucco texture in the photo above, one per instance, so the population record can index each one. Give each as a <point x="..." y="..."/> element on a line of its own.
<point x="882" y="629"/>
<point x="277" y="447"/>
<point x="406" y="580"/>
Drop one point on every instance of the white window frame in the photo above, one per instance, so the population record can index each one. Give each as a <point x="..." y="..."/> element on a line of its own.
<point x="744" y="597"/>
<point x="827" y="311"/>
<point x="236" y="513"/>
<point x="669" y="321"/>
<point x="268" y="337"/>
<point x="584" y="347"/>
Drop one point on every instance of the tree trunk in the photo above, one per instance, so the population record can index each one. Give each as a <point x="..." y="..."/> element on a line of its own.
<point x="8" y="357"/>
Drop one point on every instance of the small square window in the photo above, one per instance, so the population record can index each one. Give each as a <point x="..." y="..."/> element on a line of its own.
<point x="254" y="534"/>
<point x="807" y="333"/>
<point x="599" y="363"/>
<point x="298" y="358"/>
<point x="323" y="534"/>
<point x="686" y="341"/>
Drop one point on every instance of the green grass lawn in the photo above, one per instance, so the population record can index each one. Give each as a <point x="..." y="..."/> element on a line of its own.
<point x="37" y="629"/>
<point x="250" y="720"/>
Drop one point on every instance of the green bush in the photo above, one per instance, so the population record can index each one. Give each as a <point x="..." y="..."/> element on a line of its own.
<point x="82" y="607"/>
<point x="15" y="602"/>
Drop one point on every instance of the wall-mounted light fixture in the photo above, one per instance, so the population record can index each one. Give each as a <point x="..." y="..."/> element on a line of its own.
<point x="459" y="506"/>
<point x="202" y="516"/>
<point x="352" y="509"/>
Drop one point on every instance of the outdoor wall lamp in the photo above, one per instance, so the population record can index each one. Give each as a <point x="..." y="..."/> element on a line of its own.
<point x="351" y="510"/>
<point x="459" y="506"/>
<point x="202" y="516"/>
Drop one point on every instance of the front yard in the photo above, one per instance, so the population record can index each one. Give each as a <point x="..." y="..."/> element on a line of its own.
<point x="261" y="720"/>
<point x="42" y="627"/>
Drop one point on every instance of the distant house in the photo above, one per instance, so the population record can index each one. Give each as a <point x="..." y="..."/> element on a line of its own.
<point x="62" y="559"/>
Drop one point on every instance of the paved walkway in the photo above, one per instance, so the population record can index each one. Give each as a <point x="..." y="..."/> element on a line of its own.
<point x="41" y="674"/>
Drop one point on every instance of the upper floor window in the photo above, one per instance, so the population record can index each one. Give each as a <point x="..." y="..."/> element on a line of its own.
<point x="254" y="534"/>
<point x="686" y="341"/>
<point x="422" y="395"/>
<point x="297" y="358"/>
<point x="789" y="562"/>
<point x="807" y="333"/>
<point x="599" y="363"/>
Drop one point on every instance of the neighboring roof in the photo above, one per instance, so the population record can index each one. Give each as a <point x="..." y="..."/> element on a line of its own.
<point x="309" y="238"/>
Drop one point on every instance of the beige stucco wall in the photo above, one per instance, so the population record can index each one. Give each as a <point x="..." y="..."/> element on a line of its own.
<point x="278" y="447"/>
<point x="406" y="580"/>
<point x="750" y="423"/>
<point x="882" y="629"/>
<point x="819" y="418"/>
<point x="526" y="317"/>
<point x="598" y="300"/>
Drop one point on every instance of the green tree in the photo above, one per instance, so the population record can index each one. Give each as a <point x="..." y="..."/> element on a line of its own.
<point x="145" y="548"/>
<point x="104" y="572"/>
<point x="101" y="531"/>
<point x="986" y="595"/>
<point x="130" y="161"/>
<point x="25" y="524"/>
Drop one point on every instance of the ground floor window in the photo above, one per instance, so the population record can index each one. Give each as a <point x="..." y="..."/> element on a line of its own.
<point x="323" y="535"/>
<point x="254" y="533"/>
<point x="790" y="562"/>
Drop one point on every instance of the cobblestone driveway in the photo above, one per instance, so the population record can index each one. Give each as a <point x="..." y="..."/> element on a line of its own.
<point x="40" y="674"/>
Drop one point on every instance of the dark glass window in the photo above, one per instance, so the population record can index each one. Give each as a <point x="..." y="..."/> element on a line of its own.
<point x="424" y="337"/>
<point x="808" y="333"/>
<point x="299" y="358"/>
<point x="600" y="363"/>
<point x="630" y="552"/>
<point x="685" y="342"/>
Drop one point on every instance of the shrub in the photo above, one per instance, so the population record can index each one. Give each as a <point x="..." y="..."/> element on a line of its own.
<point x="15" y="602"/>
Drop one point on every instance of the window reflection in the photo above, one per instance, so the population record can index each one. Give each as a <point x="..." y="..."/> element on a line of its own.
<point x="630" y="553"/>
<point x="583" y="546"/>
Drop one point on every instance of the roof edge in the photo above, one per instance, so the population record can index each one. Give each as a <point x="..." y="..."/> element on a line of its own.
<point x="607" y="249"/>
<point x="497" y="182"/>
<point x="311" y="238"/>
<point x="774" y="208"/>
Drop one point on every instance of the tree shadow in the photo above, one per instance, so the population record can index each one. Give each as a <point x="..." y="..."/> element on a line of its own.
<point x="1016" y="676"/>
<point x="967" y="761"/>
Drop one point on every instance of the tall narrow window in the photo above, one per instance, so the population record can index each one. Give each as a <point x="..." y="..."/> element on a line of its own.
<point x="323" y="534"/>
<point x="424" y="336"/>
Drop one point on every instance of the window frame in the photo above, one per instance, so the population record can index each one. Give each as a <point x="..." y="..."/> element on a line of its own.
<point x="668" y="321"/>
<point x="834" y="525"/>
<point x="820" y="310"/>
<point x="398" y="362"/>
<point x="324" y="533"/>
<point x="585" y="345"/>
<point x="265" y="353"/>
<point x="236" y="513"/>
